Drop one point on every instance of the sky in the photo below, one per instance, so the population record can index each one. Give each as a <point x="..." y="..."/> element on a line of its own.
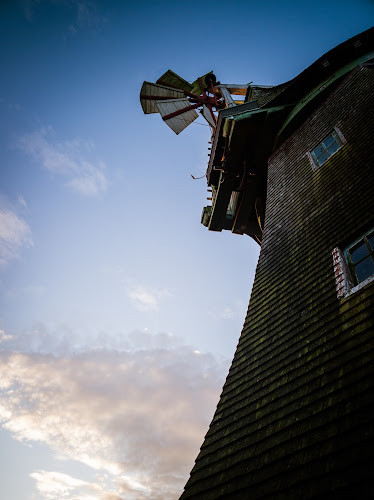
<point x="119" y="311"/>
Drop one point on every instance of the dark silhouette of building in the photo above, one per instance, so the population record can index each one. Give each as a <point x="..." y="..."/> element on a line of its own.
<point x="293" y="167"/>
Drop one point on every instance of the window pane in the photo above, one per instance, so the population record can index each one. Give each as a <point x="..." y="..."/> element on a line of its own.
<point x="329" y="140"/>
<point x="325" y="149"/>
<point x="364" y="269"/>
<point x="323" y="157"/>
<point x="359" y="251"/>
<point x="334" y="147"/>
<point x="370" y="238"/>
<point x="319" y="150"/>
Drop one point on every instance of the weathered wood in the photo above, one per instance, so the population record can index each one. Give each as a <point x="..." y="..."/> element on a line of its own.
<point x="150" y="92"/>
<point x="296" y="414"/>
<point x="227" y="96"/>
<point x="180" y="122"/>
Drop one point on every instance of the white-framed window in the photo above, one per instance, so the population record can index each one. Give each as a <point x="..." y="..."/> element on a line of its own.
<point x="360" y="258"/>
<point x="354" y="266"/>
<point x="326" y="148"/>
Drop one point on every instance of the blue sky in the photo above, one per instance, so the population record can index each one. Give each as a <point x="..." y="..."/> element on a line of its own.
<point x="119" y="311"/>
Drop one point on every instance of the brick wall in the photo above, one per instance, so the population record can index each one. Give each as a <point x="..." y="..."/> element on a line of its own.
<point x="295" y="418"/>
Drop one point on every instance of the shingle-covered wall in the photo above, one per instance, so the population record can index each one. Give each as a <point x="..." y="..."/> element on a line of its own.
<point x="296" y="415"/>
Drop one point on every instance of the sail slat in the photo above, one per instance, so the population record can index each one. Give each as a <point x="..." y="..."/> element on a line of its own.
<point x="150" y="92"/>
<point x="179" y="122"/>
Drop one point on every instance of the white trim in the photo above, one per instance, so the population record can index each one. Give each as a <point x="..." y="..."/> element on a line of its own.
<point x="343" y="281"/>
<point x="359" y="286"/>
<point x="341" y="141"/>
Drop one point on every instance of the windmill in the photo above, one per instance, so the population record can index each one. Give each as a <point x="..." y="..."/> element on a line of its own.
<point x="177" y="100"/>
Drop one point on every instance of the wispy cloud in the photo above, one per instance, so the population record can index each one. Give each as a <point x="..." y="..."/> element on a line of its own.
<point x="84" y="14"/>
<point x="233" y="311"/>
<point x="87" y="16"/>
<point x="136" y="417"/>
<point x="4" y="337"/>
<point x="14" y="234"/>
<point x="68" y="159"/>
<point x="22" y="202"/>
<point x="54" y="485"/>
<point x="145" y="298"/>
<point x="9" y="105"/>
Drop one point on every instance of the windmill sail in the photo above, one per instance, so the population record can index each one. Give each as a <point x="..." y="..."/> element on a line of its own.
<point x="177" y="100"/>
<point x="207" y="114"/>
<point x="196" y="85"/>
<point x="174" y="80"/>
<point x="181" y="109"/>
<point x="151" y="92"/>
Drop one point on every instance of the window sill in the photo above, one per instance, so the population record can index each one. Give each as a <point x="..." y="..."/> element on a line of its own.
<point x="358" y="287"/>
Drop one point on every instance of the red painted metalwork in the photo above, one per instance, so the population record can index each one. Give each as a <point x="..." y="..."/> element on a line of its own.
<point x="211" y="102"/>
<point x="211" y="112"/>
<point x="180" y="111"/>
<point x="156" y="97"/>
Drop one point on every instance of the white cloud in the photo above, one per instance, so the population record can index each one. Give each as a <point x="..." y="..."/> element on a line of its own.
<point x="55" y="485"/>
<point x="146" y="298"/>
<point x="234" y="311"/>
<point x="136" y="417"/>
<point x="14" y="234"/>
<point x="143" y="298"/>
<point x="22" y="202"/>
<point x="55" y="482"/>
<point x="227" y="313"/>
<point x="67" y="159"/>
<point x="4" y="336"/>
